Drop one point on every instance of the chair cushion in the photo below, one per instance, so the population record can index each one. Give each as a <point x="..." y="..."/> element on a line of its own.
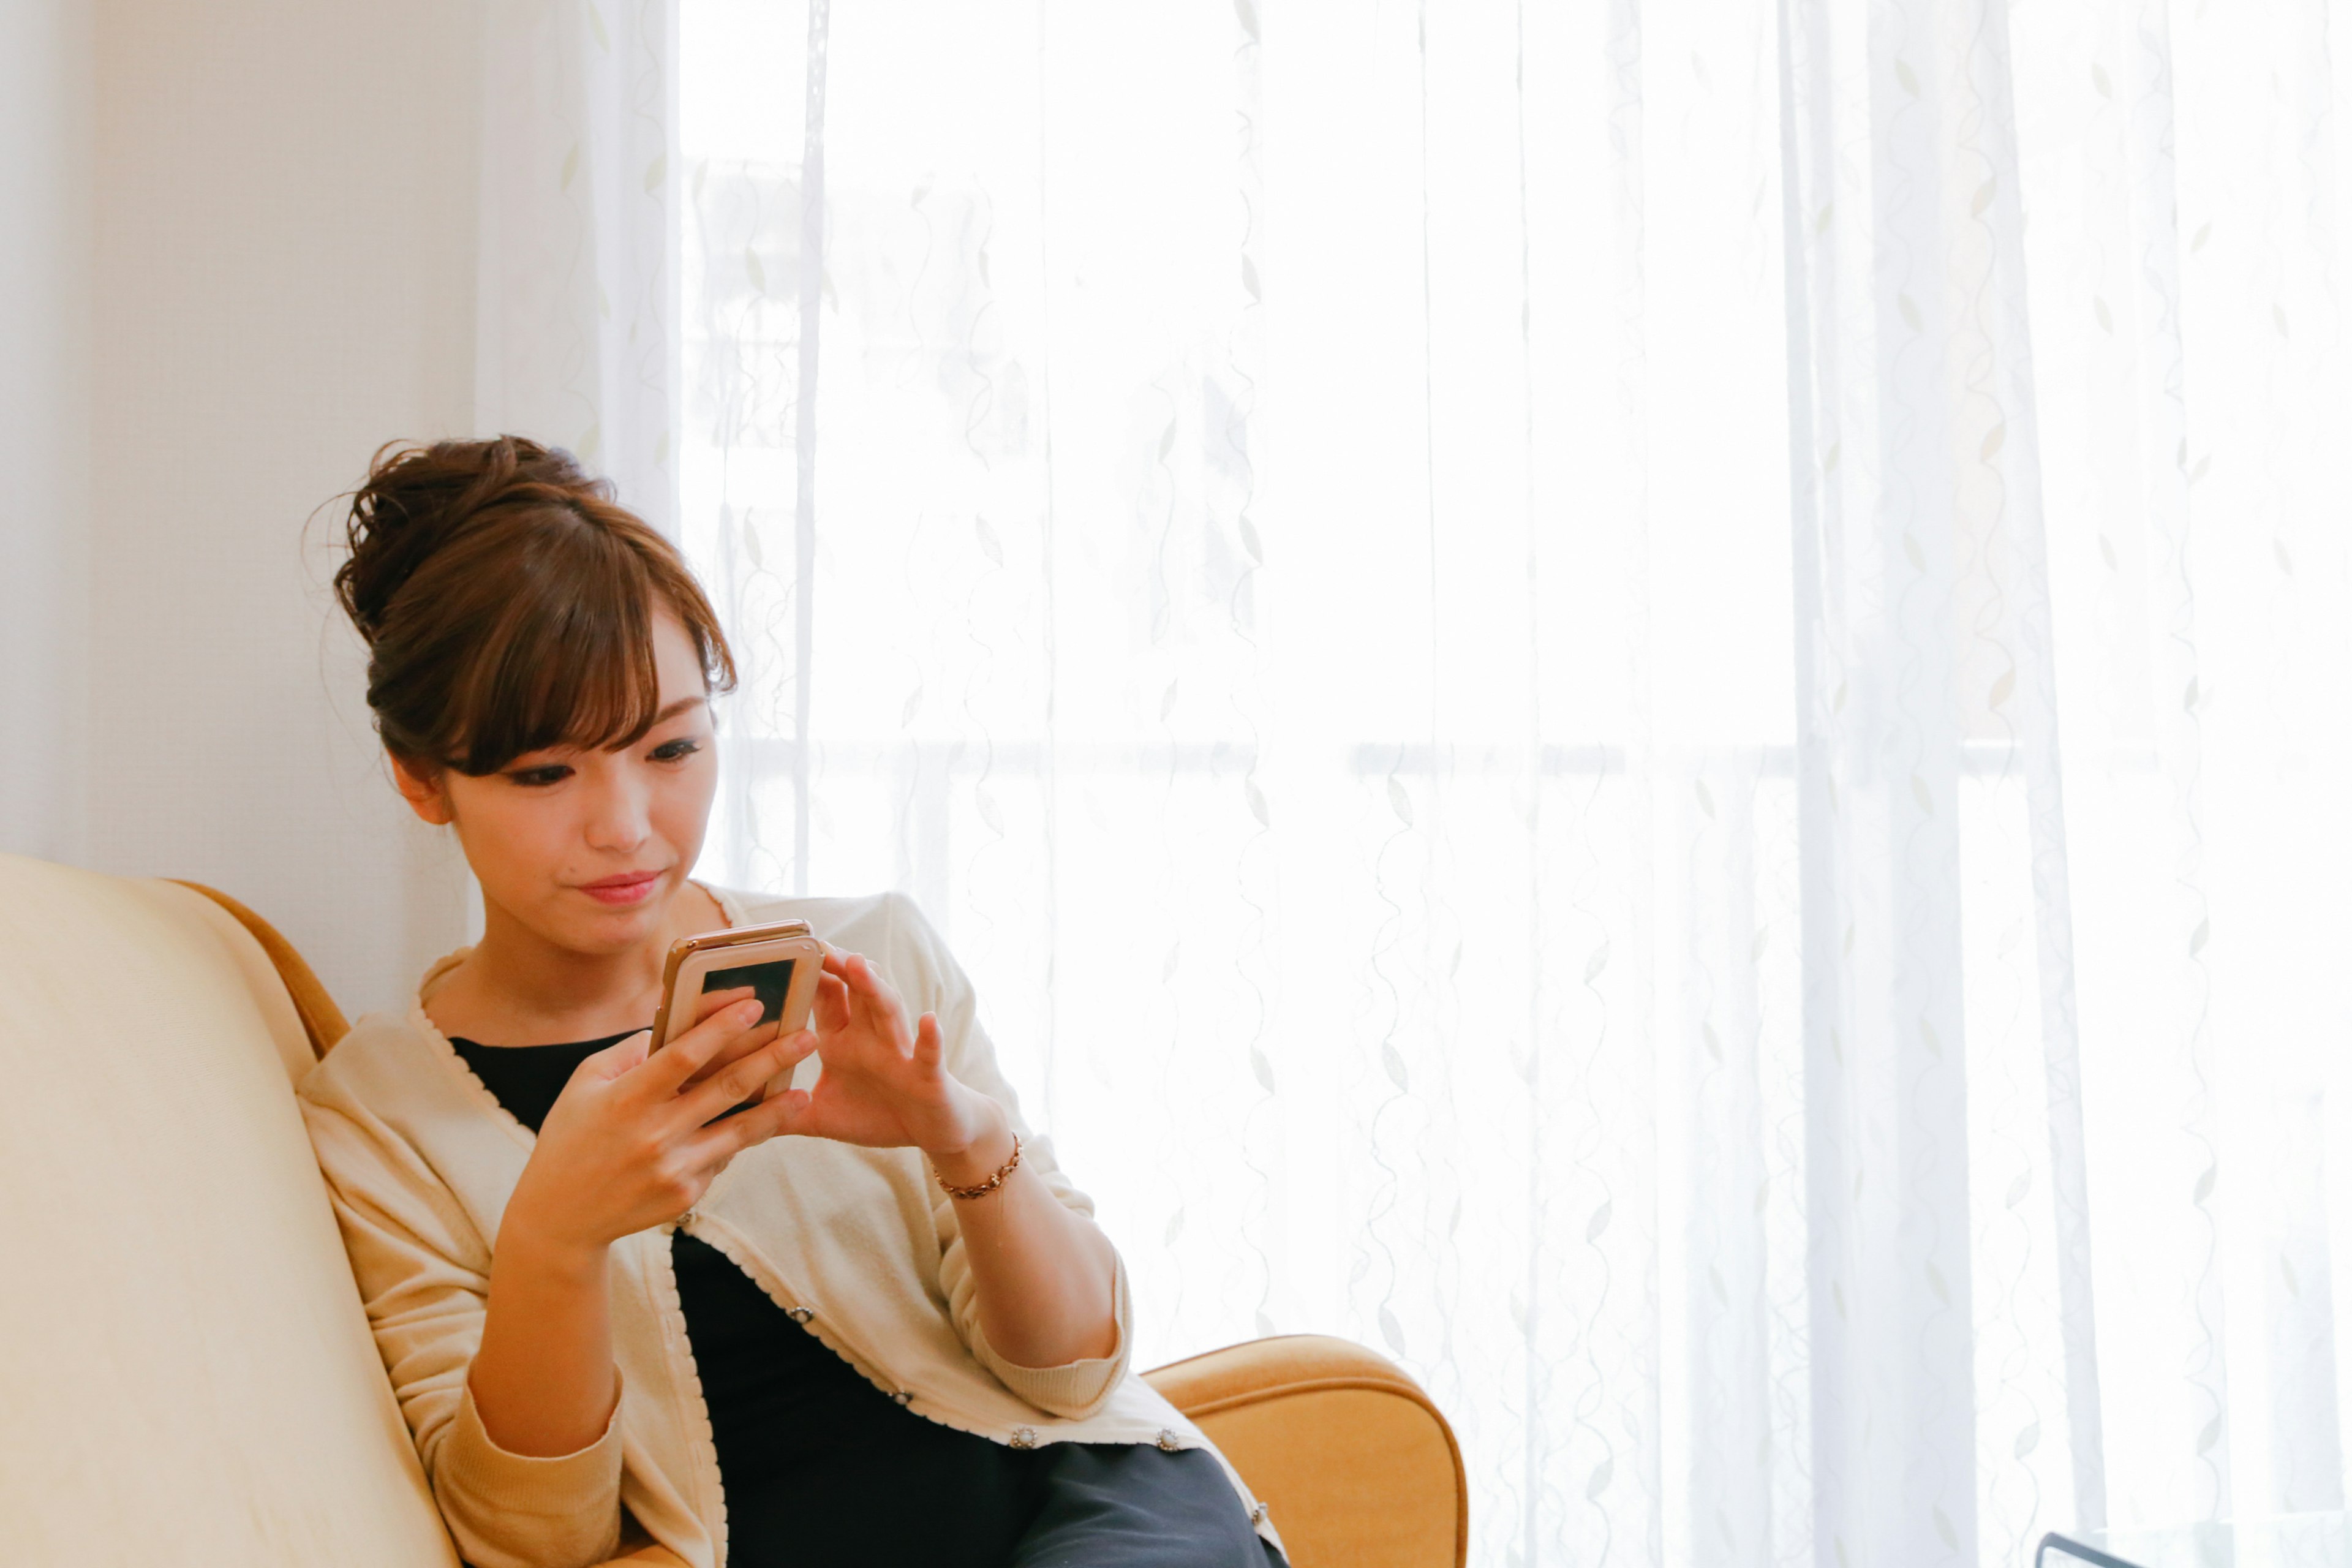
<point x="185" y="1366"/>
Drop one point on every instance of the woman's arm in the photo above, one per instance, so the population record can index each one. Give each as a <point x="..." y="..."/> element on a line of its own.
<point x="624" y="1148"/>
<point x="1041" y="1273"/>
<point x="543" y="1382"/>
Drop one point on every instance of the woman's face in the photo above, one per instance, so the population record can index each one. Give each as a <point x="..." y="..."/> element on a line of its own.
<point x="587" y="849"/>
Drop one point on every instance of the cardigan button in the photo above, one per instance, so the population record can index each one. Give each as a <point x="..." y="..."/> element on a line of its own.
<point x="799" y="1314"/>
<point x="902" y="1396"/>
<point x="1024" y="1436"/>
<point x="1167" y="1442"/>
<point x="1258" y="1513"/>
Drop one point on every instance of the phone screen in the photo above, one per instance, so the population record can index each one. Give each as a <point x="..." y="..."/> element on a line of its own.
<point x="771" y="982"/>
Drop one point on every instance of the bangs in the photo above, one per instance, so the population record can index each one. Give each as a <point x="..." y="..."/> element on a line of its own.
<point x="509" y="605"/>
<point x="567" y="657"/>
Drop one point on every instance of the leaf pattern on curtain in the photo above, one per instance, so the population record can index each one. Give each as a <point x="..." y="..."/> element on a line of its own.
<point x="1642" y="703"/>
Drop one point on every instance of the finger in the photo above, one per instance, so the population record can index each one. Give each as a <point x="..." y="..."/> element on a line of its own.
<point x="837" y="962"/>
<point x="929" y="1046"/>
<point x="735" y="1050"/>
<point x="832" y="1003"/>
<point x="712" y="1000"/>
<point x="873" y="999"/>
<point x="675" y="1063"/>
<point x="847" y="968"/>
<point x="721" y="1141"/>
<point x="800" y="1046"/>
<point x="742" y="1078"/>
<point x="859" y="973"/>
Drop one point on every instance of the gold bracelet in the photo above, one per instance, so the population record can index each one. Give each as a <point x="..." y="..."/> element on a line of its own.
<point x="982" y="1189"/>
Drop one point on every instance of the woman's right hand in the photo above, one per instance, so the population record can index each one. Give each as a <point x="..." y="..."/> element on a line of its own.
<point x="631" y="1142"/>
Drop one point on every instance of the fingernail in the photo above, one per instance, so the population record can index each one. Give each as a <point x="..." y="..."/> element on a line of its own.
<point x="749" y="1012"/>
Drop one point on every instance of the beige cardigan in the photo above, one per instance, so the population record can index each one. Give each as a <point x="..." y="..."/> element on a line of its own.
<point x="859" y="1244"/>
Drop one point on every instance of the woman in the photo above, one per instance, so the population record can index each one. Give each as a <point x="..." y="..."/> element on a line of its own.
<point x="620" y="1295"/>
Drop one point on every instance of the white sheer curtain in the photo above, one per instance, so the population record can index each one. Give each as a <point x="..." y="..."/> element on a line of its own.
<point x="1645" y="702"/>
<point x="576" y="338"/>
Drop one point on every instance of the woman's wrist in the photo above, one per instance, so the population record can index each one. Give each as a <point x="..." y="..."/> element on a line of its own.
<point x="987" y="1144"/>
<point x="546" y="1253"/>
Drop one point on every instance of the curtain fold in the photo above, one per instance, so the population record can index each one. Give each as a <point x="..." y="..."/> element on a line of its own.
<point x="1643" y="702"/>
<point x="576" y="301"/>
<point x="1926" y="716"/>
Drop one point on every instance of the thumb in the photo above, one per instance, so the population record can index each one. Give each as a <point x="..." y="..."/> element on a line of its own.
<point x="619" y="1058"/>
<point x="790" y="1113"/>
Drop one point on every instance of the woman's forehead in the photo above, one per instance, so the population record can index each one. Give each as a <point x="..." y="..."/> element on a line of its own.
<point x="677" y="667"/>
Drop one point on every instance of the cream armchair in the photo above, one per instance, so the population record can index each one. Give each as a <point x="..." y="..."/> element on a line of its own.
<point x="186" y="1374"/>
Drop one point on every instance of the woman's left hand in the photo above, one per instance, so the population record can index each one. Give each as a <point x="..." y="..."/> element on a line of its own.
<point x="883" y="1084"/>
<point x="1042" y="1275"/>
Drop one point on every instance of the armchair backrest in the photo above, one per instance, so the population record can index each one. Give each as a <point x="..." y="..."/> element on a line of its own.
<point x="186" y="1369"/>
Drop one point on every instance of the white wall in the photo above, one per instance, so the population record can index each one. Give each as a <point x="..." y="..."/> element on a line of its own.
<point x="280" y="259"/>
<point x="45" y="246"/>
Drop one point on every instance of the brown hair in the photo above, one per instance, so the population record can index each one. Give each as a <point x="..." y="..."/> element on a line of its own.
<point x="508" y="604"/>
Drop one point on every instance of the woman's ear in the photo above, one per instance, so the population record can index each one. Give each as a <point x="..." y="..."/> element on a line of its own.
<point x="424" y="792"/>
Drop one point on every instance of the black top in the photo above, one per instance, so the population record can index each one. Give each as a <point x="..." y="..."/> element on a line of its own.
<point x="818" y="1465"/>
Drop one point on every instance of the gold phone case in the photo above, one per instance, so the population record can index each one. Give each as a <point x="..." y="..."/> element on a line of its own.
<point x="687" y="947"/>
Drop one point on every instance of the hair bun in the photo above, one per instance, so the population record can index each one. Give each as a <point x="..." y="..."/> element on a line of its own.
<point x="510" y="604"/>
<point x="417" y="498"/>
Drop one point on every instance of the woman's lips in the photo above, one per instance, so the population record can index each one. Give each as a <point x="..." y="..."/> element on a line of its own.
<point x="634" y="888"/>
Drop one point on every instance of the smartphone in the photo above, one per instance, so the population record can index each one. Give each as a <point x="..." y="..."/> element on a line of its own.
<point x="779" y="961"/>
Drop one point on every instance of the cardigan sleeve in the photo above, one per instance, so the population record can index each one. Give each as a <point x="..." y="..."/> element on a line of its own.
<point x="931" y="980"/>
<point x="424" y="1276"/>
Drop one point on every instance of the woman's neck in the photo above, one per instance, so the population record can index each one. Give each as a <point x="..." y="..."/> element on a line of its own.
<point x="517" y="988"/>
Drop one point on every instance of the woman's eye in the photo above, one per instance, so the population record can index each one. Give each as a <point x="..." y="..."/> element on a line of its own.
<point x="675" y="751"/>
<point x="539" y="776"/>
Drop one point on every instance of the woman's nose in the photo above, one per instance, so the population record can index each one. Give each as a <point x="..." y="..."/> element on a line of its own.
<point x="618" y="819"/>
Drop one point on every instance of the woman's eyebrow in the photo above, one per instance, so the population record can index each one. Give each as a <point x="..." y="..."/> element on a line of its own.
<point x="676" y="707"/>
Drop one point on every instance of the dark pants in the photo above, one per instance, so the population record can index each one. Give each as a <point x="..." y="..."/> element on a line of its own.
<point x="1121" y="1505"/>
<point x="983" y="1505"/>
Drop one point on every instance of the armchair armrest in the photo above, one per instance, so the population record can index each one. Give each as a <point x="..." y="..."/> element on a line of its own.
<point x="1357" y="1467"/>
